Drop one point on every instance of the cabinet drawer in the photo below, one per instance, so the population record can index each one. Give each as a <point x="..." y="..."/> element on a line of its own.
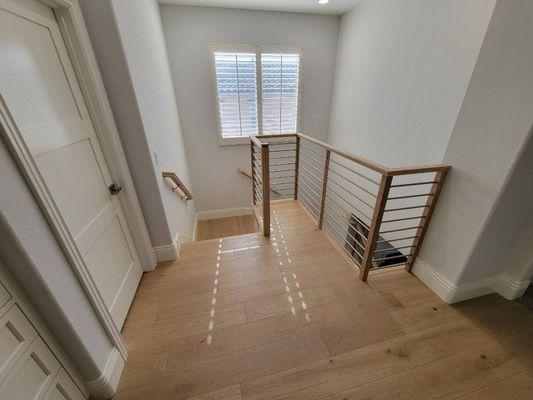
<point x="63" y="389"/>
<point x="32" y="375"/>
<point x="4" y="295"/>
<point x="16" y="335"/>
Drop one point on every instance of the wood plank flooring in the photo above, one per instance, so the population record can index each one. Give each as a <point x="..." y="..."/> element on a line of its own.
<point x="251" y="318"/>
<point x="225" y="227"/>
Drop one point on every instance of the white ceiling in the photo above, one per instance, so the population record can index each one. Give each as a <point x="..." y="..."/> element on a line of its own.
<point x="335" y="7"/>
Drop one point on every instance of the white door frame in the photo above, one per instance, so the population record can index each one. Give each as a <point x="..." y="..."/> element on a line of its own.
<point x="76" y="38"/>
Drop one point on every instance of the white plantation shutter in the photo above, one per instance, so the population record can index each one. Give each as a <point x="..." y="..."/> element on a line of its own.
<point x="236" y="81"/>
<point x="243" y="108"/>
<point x="279" y="82"/>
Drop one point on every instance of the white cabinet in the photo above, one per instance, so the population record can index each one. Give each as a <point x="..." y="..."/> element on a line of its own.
<point x="32" y="375"/>
<point x="63" y="389"/>
<point x="29" y="369"/>
<point x="16" y="335"/>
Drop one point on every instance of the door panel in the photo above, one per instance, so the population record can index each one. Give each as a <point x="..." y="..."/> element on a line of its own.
<point x="39" y="87"/>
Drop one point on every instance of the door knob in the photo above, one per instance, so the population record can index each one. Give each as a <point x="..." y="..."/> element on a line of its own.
<point x="114" y="189"/>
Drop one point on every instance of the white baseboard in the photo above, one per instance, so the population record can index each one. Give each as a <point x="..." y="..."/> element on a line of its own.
<point x="105" y="386"/>
<point x="195" y="231"/>
<point x="451" y="293"/>
<point x="228" y="212"/>
<point x="180" y="239"/>
<point x="509" y="288"/>
<point x="166" y="253"/>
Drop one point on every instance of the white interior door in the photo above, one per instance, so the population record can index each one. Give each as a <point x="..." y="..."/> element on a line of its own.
<point x="40" y="90"/>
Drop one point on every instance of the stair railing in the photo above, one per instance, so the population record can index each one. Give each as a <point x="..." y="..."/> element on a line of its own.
<point x="377" y="216"/>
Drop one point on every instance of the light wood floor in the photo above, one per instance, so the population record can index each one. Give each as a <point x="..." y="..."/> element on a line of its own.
<point x="224" y="227"/>
<point x="286" y="318"/>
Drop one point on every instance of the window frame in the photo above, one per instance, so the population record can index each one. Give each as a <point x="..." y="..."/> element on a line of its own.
<point x="258" y="49"/>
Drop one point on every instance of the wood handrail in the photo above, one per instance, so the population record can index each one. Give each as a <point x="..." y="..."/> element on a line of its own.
<point x="249" y="176"/>
<point x="357" y="159"/>
<point x="187" y="195"/>
<point x="368" y="259"/>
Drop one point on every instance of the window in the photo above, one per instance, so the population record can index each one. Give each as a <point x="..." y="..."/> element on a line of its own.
<point x="257" y="90"/>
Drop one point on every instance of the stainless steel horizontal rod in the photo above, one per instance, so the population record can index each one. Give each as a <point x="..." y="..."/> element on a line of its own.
<point x="281" y="151"/>
<point x="308" y="196"/>
<point x="388" y="266"/>
<point x="350" y="193"/>
<point x="353" y="183"/>
<point x="281" y="170"/>
<point x="309" y="206"/>
<point x="407" y="208"/>
<point x="311" y="182"/>
<point x="310" y="174"/>
<point x="403" y="219"/>
<point x="409" y="196"/>
<point x="340" y="234"/>
<point x="278" y="164"/>
<point x="401" y="229"/>
<point x="312" y="150"/>
<point x="349" y="213"/>
<point x="395" y="248"/>
<point x="346" y="231"/>
<point x="355" y="172"/>
<point x="347" y="252"/>
<point x="396" y="240"/>
<point x="281" y="177"/>
<point x="319" y="162"/>
<point x="389" y="258"/>
<point x="366" y="204"/>
<point x="315" y="194"/>
<point x="312" y="166"/>
<point x="414" y="184"/>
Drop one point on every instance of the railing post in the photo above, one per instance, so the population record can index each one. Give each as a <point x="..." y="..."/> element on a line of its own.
<point x="373" y="233"/>
<point x="324" y="188"/>
<point x="296" y="167"/>
<point x="252" y="159"/>
<point x="436" y="188"/>
<point x="265" y="172"/>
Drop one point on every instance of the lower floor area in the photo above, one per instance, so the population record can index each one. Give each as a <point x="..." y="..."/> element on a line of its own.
<point x="227" y="226"/>
<point x="286" y="317"/>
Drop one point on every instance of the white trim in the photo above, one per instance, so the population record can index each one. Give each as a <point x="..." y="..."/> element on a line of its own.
<point x="509" y="288"/>
<point x="195" y="229"/>
<point x="451" y="293"/>
<point x="105" y="386"/>
<point x="228" y="212"/>
<point x="181" y="239"/>
<point x="166" y="253"/>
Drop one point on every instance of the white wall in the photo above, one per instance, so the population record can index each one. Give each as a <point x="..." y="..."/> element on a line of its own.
<point x="139" y="25"/>
<point x="402" y="71"/>
<point x="129" y="46"/>
<point x="484" y="151"/>
<point x="188" y="31"/>
<point x="109" y="53"/>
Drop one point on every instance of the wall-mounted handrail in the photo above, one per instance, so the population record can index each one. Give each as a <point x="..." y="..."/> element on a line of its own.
<point x="249" y="176"/>
<point x="353" y="212"/>
<point x="187" y="195"/>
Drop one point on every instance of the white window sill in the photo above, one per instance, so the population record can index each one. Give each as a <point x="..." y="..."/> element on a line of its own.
<point x="233" y="141"/>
